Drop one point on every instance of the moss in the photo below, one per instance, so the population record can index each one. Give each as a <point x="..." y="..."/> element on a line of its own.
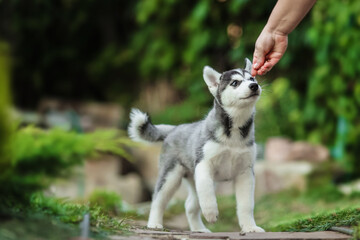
<point x="323" y="222"/>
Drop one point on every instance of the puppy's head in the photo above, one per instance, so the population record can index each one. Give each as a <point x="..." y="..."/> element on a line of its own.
<point x="233" y="88"/>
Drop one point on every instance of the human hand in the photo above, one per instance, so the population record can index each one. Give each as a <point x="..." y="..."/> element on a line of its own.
<point x="269" y="48"/>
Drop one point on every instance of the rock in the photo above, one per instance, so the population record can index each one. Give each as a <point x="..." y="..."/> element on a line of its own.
<point x="104" y="174"/>
<point x="130" y="187"/>
<point x="277" y="150"/>
<point x="156" y="96"/>
<point x="146" y="162"/>
<point x="96" y="115"/>
<point x="100" y="173"/>
<point x="83" y="115"/>
<point x="275" y="177"/>
<point x="71" y="188"/>
<point x="307" y="151"/>
<point x="351" y="187"/>
<point x="280" y="150"/>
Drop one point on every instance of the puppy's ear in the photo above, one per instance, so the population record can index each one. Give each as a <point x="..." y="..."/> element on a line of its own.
<point x="248" y="65"/>
<point x="212" y="79"/>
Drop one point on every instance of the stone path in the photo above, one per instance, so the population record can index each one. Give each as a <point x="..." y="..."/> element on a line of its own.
<point x="152" y="235"/>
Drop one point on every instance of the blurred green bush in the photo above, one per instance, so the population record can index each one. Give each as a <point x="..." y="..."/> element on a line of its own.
<point x="332" y="100"/>
<point x="110" y="202"/>
<point x="5" y="127"/>
<point x="40" y="156"/>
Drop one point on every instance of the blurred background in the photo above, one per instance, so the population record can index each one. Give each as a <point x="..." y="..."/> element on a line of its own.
<point x="71" y="70"/>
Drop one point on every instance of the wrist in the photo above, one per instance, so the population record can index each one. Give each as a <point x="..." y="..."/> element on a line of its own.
<point x="275" y="30"/>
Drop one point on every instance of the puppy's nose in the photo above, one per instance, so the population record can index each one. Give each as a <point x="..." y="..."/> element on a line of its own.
<point x="254" y="87"/>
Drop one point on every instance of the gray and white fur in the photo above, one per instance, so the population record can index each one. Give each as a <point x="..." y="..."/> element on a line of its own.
<point x="220" y="147"/>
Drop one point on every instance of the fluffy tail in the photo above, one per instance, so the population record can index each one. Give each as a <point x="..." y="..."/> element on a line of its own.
<point x="142" y="130"/>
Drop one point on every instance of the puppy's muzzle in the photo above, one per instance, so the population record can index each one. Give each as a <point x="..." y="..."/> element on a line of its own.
<point x="254" y="87"/>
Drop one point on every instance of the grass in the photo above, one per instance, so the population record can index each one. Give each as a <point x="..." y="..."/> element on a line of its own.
<point x="324" y="221"/>
<point x="277" y="211"/>
<point x="288" y="211"/>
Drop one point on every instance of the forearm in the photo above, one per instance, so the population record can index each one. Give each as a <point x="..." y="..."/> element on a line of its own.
<point x="287" y="14"/>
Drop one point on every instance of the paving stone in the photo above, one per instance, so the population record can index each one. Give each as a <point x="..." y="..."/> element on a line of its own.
<point x="272" y="235"/>
<point x="156" y="232"/>
<point x="132" y="238"/>
<point x="164" y="235"/>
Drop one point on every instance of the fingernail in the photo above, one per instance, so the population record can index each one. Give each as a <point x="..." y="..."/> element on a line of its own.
<point x="256" y="65"/>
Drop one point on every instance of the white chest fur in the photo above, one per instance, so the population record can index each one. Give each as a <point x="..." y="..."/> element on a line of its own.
<point x="226" y="162"/>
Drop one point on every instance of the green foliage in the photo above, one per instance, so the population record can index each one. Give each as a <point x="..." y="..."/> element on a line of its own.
<point x="332" y="100"/>
<point x="106" y="50"/>
<point x="323" y="222"/>
<point x="323" y="105"/>
<point x="320" y="184"/>
<point x="112" y="47"/>
<point x="5" y="127"/>
<point x="185" y="36"/>
<point x="109" y="202"/>
<point x="278" y="111"/>
<point x="40" y="156"/>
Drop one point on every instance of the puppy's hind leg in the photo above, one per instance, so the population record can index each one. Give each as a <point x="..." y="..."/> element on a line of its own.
<point x="192" y="207"/>
<point x="168" y="182"/>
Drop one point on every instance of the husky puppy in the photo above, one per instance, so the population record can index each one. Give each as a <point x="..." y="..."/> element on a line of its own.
<point x="219" y="148"/>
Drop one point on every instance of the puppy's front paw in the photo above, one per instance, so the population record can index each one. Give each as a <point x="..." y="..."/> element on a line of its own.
<point x="155" y="225"/>
<point x="211" y="214"/>
<point x="251" y="228"/>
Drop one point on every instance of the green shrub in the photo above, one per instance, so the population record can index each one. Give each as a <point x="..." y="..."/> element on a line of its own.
<point x="40" y="156"/>
<point x="5" y="127"/>
<point x="109" y="202"/>
<point x="331" y="111"/>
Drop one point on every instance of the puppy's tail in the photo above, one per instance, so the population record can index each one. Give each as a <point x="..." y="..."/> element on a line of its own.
<point x="142" y="130"/>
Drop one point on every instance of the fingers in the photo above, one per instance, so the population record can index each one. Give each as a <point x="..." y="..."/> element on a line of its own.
<point x="268" y="65"/>
<point x="269" y="49"/>
<point x="258" y="61"/>
<point x="271" y="60"/>
<point x="263" y="69"/>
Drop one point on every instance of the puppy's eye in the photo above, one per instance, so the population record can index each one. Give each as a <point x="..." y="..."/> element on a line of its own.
<point x="235" y="83"/>
<point x="252" y="79"/>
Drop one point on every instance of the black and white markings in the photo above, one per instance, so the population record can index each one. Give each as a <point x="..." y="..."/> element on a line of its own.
<point x="244" y="130"/>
